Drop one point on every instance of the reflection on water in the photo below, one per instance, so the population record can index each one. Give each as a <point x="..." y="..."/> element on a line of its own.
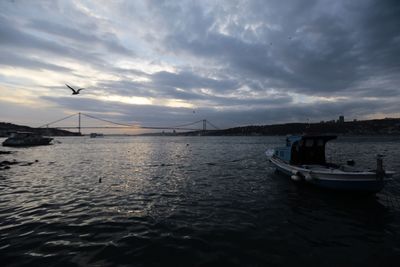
<point x="189" y="201"/>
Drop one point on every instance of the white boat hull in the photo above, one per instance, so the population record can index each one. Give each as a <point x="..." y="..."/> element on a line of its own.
<point x="334" y="178"/>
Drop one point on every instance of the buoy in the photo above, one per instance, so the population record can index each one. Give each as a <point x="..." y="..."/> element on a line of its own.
<point x="295" y="178"/>
<point x="99" y="180"/>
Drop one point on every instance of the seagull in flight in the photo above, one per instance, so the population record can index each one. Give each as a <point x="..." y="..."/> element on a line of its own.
<point x="74" y="91"/>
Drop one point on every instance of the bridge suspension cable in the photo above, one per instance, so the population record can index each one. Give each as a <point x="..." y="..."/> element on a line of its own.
<point x="108" y="121"/>
<point x="67" y="117"/>
<point x="187" y="124"/>
<point x="126" y="125"/>
<point x="212" y="125"/>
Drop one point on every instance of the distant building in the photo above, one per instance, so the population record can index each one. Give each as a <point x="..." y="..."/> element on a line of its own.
<point x="341" y="119"/>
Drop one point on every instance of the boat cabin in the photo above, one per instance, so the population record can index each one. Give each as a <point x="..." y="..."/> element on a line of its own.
<point x="304" y="149"/>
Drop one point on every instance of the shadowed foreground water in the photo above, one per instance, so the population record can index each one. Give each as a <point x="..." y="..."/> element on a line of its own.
<point x="189" y="201"/>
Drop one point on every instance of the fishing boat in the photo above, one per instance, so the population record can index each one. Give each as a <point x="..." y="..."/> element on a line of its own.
<point x="95" y="135"/>
<point x="303" y="159"/>
<point x="26" y="139"/>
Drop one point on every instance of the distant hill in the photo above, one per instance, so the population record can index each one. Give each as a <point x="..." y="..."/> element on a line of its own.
<point x="6" y="128"/>
<point x="389" y="126"/>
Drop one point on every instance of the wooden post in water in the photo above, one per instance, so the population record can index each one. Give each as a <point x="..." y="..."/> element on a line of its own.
<point x="380" y="172"/>
<point x="79" y="123"/>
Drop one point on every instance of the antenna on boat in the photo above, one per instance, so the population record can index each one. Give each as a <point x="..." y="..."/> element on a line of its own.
<point x="308" y="126"/>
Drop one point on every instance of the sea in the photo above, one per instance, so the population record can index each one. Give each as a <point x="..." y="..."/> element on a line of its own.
<point x="190" y="201"/>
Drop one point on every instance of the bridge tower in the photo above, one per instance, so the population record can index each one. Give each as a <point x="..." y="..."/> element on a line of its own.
<point x="204" y="125"/>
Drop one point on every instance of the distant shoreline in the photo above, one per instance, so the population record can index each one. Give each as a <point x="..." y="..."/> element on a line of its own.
<point x="377" y="127"/>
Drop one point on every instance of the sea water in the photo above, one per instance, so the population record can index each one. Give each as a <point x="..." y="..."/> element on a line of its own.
<point x="190" y="201"/>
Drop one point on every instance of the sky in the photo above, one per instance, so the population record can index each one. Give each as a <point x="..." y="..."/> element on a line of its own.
<point x="234" y="63"/>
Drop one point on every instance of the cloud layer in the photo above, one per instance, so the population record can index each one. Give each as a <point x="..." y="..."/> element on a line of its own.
<point x="232" y="62"/>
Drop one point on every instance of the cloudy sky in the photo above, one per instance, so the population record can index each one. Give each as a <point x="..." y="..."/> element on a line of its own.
<point x="172" y="62"/>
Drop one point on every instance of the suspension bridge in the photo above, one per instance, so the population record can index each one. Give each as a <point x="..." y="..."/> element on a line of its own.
<point x="117" y="125"/>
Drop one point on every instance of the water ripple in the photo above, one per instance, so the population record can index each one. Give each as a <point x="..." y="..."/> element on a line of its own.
<point x="214" y="202"/>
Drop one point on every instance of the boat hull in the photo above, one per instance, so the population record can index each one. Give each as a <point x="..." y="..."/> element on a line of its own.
<point x="336" y="179"/>
<point x="15" y="142"/>
<point x="371" y="186"/>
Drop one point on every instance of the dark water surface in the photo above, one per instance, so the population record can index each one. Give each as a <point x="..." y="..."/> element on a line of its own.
<point x="190" y="201"/>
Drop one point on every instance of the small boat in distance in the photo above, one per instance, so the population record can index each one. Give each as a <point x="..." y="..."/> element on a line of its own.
<point x="95" y="135"/>
<point x="303" y="159"/>
<point x="26" y="139"/>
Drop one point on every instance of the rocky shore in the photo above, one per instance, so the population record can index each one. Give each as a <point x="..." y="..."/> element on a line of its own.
<point x="6" y="164"/>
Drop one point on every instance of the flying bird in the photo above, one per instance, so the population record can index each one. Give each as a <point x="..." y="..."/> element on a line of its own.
<point x="74" y="91"/>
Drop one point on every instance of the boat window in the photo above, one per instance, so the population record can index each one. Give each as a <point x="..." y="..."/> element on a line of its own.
<point x="309" y="143"/>
<point x="320" y="142"/>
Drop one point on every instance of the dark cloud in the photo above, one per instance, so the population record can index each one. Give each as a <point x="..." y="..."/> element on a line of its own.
<point x="29" y="63"/>
<point x="184" y="85"/>
<point x="108" y="40"/>
<point x="187" y="86"/>
<point x="238" y="62"/>
<point x="189" y="80"/>
<point x="17" y="40"/>
<point x="316" y="51"/>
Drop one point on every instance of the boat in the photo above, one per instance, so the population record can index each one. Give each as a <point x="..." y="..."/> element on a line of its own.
<point x="26" y="139"/>
<point x="303" y="159"/>
<point x="95" y="135"/>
